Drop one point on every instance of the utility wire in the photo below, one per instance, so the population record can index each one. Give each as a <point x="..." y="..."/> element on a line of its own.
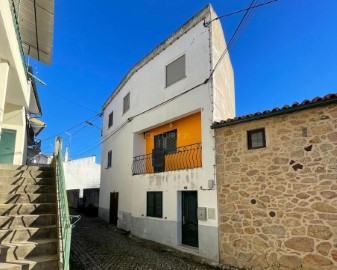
<point x="233" y="39"/>
<point x="70" y="100"/>
<point x="237" y="12"/>
<point x="73" y="127"/>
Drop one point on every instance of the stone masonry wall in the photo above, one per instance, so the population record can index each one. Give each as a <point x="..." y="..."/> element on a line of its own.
<point x="278" y="204"/>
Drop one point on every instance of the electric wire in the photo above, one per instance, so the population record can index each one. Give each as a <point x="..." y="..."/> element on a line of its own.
<point x="246" y="19"/>
<point x="238" y="11"/>
<point x="73" y="127"/>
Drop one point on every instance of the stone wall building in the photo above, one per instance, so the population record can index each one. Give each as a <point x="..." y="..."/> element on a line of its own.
<point x="277" y="187"/>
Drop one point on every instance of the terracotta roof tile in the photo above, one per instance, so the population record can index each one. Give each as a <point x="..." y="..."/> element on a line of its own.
<point x="305" y="104"/>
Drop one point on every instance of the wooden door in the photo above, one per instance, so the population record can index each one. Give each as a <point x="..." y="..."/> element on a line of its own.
<point x="7" y="146"/>
<point x="113" y="208"/>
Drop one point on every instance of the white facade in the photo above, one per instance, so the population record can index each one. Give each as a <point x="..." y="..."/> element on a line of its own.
<point x="82" y="174"/>
<point x="202" y="47"/>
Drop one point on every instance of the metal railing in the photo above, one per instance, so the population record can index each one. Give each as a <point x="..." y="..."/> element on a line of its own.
<point x="65" y="224"/>
<point x="185" y="157"/>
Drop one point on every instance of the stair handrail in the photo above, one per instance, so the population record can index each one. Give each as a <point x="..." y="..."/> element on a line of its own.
<point x="65" y="223"/>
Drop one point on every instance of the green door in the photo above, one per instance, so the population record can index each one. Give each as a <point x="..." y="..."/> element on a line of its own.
<point x="190" y="218"/>
<point x="7" y="146"/>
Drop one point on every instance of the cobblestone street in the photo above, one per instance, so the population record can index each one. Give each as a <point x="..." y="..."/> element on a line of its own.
<point x="98" y="245"/>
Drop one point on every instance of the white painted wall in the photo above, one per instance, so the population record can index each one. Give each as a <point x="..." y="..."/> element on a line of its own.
<point x="147" y="89"/>
<point x="82" y="174"/>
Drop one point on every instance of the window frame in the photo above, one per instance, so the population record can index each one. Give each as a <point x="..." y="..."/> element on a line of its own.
<point x="249" y="138"/>
<point x="109" y="160"/>
<point x="166" y="67"/>
<point x="110" y="119"/>
<point x="154" y="210"/>
<point x="124" y="106"/>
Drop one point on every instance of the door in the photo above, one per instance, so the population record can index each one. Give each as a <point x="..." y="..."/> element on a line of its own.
<point x="113" y="208"/>
<point x="7" y="146"/>
<point x="190" y="218"/>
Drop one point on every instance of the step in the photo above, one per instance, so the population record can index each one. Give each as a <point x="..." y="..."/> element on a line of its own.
<point x="26" y="173"/>
<point x="8" y="180"/>
<point x="25" y="167"/>
<point x="36" y="263"/>
<point x="26" y="250"/>
<point x="9" y="266"/>
<point x="28" y="234"/>
<point x="27" y="208"/>
<point x="11" y="222"/>
<point x="27" y="198"/>
<point x="14" y="189"/>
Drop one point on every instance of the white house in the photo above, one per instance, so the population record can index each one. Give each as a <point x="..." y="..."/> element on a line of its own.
<point x="82" y="178"/>
<point x="158" y="158"/>
<point x="24" y="30"/>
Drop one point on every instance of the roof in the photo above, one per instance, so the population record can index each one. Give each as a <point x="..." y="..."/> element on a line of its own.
<point x="161" y="47"/>
<point x="305" y="104"/>
<point x="36" y="23"/>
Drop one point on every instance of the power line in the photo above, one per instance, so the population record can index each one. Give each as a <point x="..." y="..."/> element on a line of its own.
<point x="237" y="12"/>
<point x="233" y="39"/>
<point x="73" y="127"/>
<point x="70" y="100"/>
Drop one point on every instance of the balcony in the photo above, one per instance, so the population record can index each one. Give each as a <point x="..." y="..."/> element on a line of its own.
<point x="185" y="157"/>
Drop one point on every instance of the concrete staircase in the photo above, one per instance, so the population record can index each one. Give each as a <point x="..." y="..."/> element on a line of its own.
<point x="28" y="221"/>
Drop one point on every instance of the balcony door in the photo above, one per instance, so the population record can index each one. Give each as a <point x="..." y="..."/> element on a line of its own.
<point x="164" y="144"/>
<point x="7" y="146"/>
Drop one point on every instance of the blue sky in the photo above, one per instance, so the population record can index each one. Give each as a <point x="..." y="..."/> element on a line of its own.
<point x="287" y="53"/>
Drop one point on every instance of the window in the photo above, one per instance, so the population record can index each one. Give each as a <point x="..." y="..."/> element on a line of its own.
<point x="175" y="71"/>
<point x="109" y="158"/>
<point x="111" y="119"/>
<point x="154" y="205"/>
<point x="164" y="144"/>
<point x="256" y="138"/>
<point x="126" y="103"/>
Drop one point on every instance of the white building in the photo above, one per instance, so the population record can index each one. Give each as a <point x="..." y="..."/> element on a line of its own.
<point x="158" y="158"/>
<point x="82" y="178"/>
<point x="24" y="30"/>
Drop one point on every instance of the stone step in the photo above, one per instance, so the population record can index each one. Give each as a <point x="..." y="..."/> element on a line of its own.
<point x="25" y="167"/>
<point x="28" y="234"/>
<point x="9" y="266"/>
<point x="8" y="180"/>
<point x="15" y="189"/>
<point x="27" y="208"/>
<point x="12" y="222"/>
<point x="26" y="250"/>
<point x="27" y="198"/>
<point x="35" y="263"/>
<point x="27" y="173"/>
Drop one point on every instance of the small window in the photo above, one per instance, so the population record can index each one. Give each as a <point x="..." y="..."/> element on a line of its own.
<point x="126" y="103"/>
<point x="111" y="119"/>
<point x="175" y="71"/>
<point x="154" y="206"/>
<point x="109" y="158"/>
<point x="256" y="138"/>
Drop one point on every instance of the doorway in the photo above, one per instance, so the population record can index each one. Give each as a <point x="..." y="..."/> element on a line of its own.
<point x="190" y="218"/>
<point x="7" y="146"/>
<point x="113" y="208"/>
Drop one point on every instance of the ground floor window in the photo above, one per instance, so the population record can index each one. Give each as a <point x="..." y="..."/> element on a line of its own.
<point x="154" y="205"/>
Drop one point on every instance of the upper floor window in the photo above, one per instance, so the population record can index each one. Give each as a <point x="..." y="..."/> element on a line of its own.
<point x="256" y="138"/>
<point x="176" y="70"/>
<point x="111" y="119"/>
<point x="109" y="159"/>
<point x="126" y="103"/>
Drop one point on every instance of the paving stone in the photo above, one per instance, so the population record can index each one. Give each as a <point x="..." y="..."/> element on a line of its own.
<point x="98" y="245"/>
